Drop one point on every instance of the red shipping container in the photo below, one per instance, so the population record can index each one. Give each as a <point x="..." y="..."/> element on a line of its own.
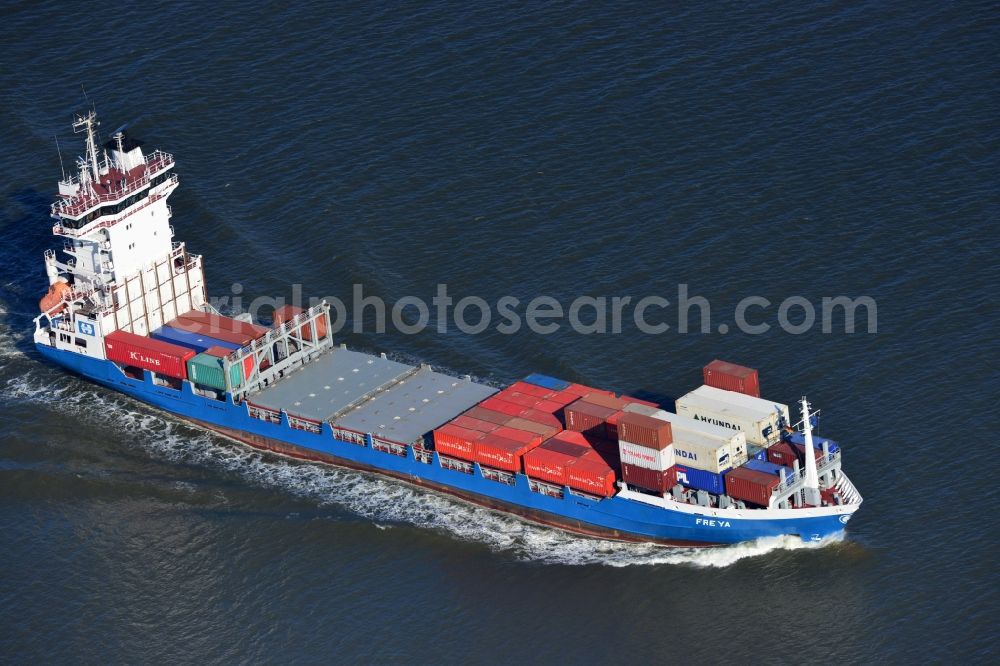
<point x="636" y="401"/>
<point x="139" y="351"/>
<point x="591" y="474"/>
<point x="502" y="406"/>
<point x="484" y="414"/>
<point x="801" y="449"/>
<point x="583" y="416"/>
<point x="612" y="426"/>
<point x="549" y="461"/>
<point x="453" y="440"/>
<point x="644" y="431"/>
<point x="750" y="485"/>
<point x="785" y="454"/>
<point x="549" y="406"/>
<point x="732" y="377"/>
<point x="500" y="453"/>
<point x="528" y="401"/>
<point x="609" y="401"/>
<point x="545" y="431"/>
<point x="580" y="390"/>
<point x="470" y="423"/>
<point x="542" y="417"/>
<point x="608" y="451"/>
<point x="572" y="437"/>
<point x="289" y="312"/>
<point x="650" y="479"/>
<point x="529" y="389"/>
<point x="523" y="436"/>
<point x="214" y="323"/>
<point x="561" y="399"/>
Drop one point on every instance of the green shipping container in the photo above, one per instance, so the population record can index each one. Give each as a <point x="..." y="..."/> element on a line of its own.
<point x="206" y="370"/>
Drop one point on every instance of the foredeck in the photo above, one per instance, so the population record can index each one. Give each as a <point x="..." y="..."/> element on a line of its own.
<point x="372" y="394"/>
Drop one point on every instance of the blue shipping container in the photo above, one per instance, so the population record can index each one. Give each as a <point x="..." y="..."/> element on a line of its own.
<point x="769" y="468"/>
<point x="799" y="438"/>
<point x="756" y="452"/>
<point x="194" y="341"/>
<point x="545" y="381"/>
<point x="699" y="479"/>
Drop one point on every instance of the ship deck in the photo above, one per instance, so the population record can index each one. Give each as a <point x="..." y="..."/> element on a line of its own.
<point x="373" y="394"/>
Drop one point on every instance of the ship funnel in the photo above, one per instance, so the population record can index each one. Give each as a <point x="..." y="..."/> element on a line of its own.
<point x="811" y="490"/>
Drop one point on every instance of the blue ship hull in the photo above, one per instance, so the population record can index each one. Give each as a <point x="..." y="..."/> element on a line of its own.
<point x="626" y="518"/>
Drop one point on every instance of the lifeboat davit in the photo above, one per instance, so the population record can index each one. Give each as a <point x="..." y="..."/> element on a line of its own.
<point x="53" y="298"/>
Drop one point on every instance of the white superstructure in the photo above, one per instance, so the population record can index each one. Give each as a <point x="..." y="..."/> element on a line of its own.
<point x="119" y="267"/>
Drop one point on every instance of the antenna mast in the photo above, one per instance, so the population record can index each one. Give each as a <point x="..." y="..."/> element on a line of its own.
<point x="87" y="124"/>
<point x="59" y="150"/>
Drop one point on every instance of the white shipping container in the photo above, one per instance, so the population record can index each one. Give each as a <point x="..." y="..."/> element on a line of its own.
<point x="711" y="455"/>
<point x="645" y="457"/>
<point x="744" y="400"/>
<point x="759" y="419"/>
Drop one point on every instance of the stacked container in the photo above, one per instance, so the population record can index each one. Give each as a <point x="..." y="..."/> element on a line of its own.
<point x="456" y="441"/>
<point x="706" y="453"/>
<point x="759" y="419"/>
<point x="499" y="452"/>
<point x="218" y="326"/>
<point x="650" y="479"/>
<point x="207" y="369"/>
<point x="545" y="381"/>
<point x="751" y="485"/>
<point x="704" y="441"/>
<point x="647" y="452"/>
<point x="771" y="468"/>
<point x="700" y="479"/>
<point x="591" y="474"/>
<point x="190" y="339"/>
<point x="588" y="418"/>
<point x="138" y="351"/>
<point x="550" y="461"/>
<point x="732" y="377"/>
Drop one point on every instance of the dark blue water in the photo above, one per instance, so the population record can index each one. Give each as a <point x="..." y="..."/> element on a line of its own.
<point x="558" y="149"/>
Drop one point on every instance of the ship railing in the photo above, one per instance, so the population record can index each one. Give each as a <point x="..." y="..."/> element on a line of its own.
<point x="423" y="455"/>
<point x="62" y="230"/>
<point x="302" y="423"/>
<point x="795" y="482"/>
<point x="388" y="446"/>
<point x="263" y="413"/>
<point x="349" y="436"/>
<point x="497" y="475"/>
<point x="85" y="201"/>
<point x="547" y="489"/>
<point x="456" y="464"/>
<point x="585" y="495"/>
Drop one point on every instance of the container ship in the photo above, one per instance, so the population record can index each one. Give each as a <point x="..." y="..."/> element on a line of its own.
<point x="127" y="308"/>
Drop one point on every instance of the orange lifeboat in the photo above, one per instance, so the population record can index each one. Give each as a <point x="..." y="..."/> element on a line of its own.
<point x="54" y="297"/>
